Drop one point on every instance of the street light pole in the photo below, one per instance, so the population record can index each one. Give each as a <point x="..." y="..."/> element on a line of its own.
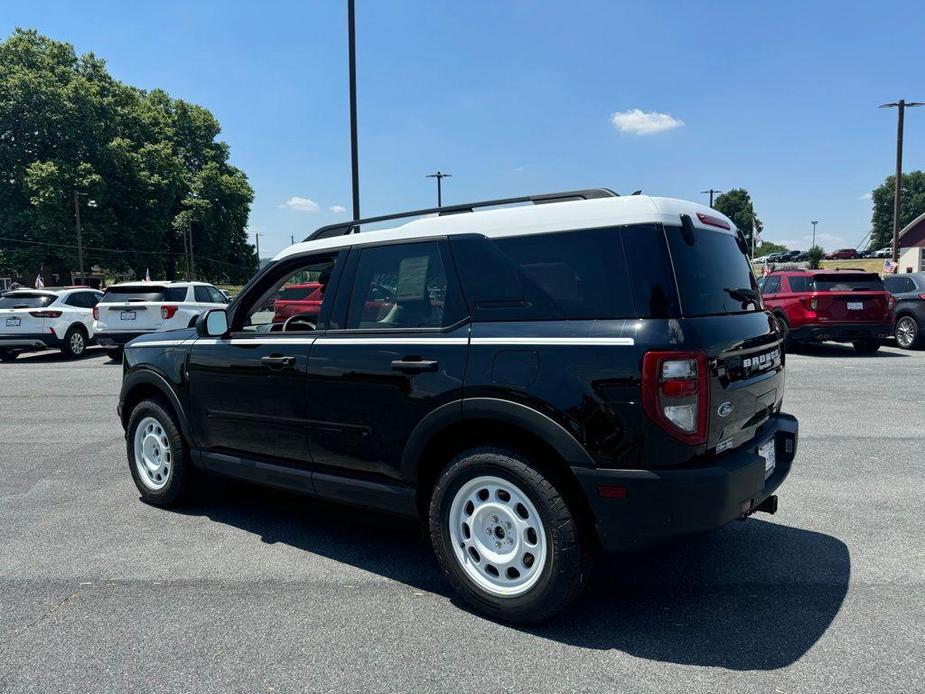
<point x="354" y="153"/>
<point x="439" y="175"/>
<point x="897" y="183"/>
<point x="814" y="223"/>
<point x="257" y="241"/>
<point x="711" y="192"/>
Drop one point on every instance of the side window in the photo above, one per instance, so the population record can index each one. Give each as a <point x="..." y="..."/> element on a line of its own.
<point x="771" y="285"/>
<point x="175" y="294"/>
<point x="216" y="296"/>
<point x="294" y="303"/>
<point x="76" y="300"/>
<point x="402" y="286"/>
<point x="898" y="285"/>
<point x="798" y="284"/>
<point x="93" y="300"/>
<point x="202" y="294"/>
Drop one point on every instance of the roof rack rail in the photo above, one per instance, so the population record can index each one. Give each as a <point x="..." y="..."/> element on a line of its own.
<point x="353" y="227"/>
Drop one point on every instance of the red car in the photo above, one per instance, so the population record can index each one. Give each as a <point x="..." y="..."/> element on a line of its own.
<point x="843" y="254"/>
<point x="298" y="299"/>
<point x="838" y="305"/>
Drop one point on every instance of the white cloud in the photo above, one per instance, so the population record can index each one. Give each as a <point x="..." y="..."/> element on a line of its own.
<point x="640" y="122"/>
<point x="519" y="169"/>
<point x="866" y="196"/>
<point x="337" y="209"/>
<point x="300" y="204"/>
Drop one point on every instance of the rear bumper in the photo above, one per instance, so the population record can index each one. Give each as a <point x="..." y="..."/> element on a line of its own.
<point x="841" y="332"/>
<point x="29" y="341"/>
<point x="660" y="504"/>
<point x="111" y="340"/>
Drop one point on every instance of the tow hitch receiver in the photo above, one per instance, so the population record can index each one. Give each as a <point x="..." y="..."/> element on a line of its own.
<point x="769" y="505"/>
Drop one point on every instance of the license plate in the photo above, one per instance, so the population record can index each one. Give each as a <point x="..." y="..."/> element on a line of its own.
<point x="13" y="321"/>
<point x="127" y="315"/>
<point x="767" y="452"/>
<point x="855" y="305"/>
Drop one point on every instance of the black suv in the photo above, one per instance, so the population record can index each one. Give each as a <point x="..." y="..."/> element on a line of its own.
<point x="537" y="382"/>
<point x="909" y="292"/>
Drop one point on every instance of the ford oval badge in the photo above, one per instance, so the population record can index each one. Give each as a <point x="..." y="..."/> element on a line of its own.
<point x="725" y="409"/>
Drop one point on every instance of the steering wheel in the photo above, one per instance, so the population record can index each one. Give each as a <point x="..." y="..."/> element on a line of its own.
<point x="300" y="321"/>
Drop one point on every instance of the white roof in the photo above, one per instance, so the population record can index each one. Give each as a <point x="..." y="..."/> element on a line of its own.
<point x="159" y="283"/>
<point x="49" y="291"/>
<point x="528" y="219"/>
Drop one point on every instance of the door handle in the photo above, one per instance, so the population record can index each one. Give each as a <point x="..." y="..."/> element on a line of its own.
<point x="277" y="361"/>
<point x="415" y="365"/>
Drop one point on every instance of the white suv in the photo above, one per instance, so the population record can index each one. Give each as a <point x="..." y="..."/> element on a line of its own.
<point x="36" y="319"/>
<point x="130" y="309"/>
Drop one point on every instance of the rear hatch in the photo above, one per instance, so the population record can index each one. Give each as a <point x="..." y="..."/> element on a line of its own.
<point x="136" y="308"/>
<point x="722" y="315"/>
<point x="848" y="297"/>
<point x="23" y="313"/>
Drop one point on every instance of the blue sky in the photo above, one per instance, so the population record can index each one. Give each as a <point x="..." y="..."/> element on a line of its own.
<point x="519" y="97"/>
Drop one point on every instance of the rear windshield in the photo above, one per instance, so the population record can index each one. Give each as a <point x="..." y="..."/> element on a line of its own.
<point x="580" y="274"/>
<point x="843" y="282"/>
<point x="711" y="270"/>
<point x="25" y="300"/>
<point x="116" y="295"/>
<point x="296" y="293"/>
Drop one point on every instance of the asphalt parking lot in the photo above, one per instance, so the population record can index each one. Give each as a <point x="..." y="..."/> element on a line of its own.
<point x="255" y="590"/>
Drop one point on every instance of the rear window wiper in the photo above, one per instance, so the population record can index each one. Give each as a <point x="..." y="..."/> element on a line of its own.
<point x="744" y="294"/>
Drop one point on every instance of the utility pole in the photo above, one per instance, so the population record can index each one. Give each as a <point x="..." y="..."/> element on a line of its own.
<point x="711" y="192"/>
<point x="354" y="152"/>
<point x="814" y="223"/>
<point x="897" y="184"/>
<point x="439" y="176"/>
<point x="185" y="255"/>
<point x="80" y="243"/>
<point x="257" y="241"/>
<point x="291" y="240"/>
<point x="192" y="262"/>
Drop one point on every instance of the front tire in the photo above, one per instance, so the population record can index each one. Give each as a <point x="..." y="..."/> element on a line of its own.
<point x="868" y="345"/>
<point x="8" y="354"/>
<point x="75" y="342"/>
<point x="157" y="456"/>
<point x="906" y="332"/>
<point x="505" y="537"/>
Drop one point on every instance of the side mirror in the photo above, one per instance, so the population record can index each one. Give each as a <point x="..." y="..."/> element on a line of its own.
<point x="212" y="323"/>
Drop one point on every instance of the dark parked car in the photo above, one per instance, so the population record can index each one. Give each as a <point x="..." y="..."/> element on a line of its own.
<point x="909" y="292"/>
<point x="837" y="305"/>
<point x="534" y="383"/>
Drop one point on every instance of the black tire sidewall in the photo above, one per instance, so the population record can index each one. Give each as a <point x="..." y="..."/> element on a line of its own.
<point x="181" y="475"/>
<point x="554" y="589"/>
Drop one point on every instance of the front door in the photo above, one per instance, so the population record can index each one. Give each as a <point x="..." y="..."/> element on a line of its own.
<point x="399" y="354"/>
<point x="248" y="394"/>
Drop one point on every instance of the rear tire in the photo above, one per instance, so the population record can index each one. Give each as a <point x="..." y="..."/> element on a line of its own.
<point x="868" y="345"/>
<point x="157" y="456"/>
<point x="8" y="355"/>
<point x="906" y="332"/>
<point x="75" y="342"/>
<point x="786" y="343"/>
<point x="505" y="537"/>
<point x="115" y="353"/>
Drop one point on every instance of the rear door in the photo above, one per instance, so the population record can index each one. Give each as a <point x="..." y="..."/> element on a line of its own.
<point x="398" y="352"/>
<point x="845" y="297"/>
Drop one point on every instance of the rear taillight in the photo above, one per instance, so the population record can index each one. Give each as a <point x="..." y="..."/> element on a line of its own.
<point x="675" y="393"/>
<point x="96" y="313"/>
<point x="45" y="314"/>
<point x="168" y="311"/>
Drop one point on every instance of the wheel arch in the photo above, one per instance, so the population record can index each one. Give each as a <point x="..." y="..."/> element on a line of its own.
<point x="143" y="384"/>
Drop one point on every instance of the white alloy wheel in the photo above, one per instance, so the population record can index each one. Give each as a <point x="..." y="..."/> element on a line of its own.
<point x="497" y="536"/>
<point x="153" y="458"/>
<point x="77" y="343"/>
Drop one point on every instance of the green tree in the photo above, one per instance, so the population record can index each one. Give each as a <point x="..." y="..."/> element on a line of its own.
<point x="737" y="205"/>
<point x="911" y="206"/>
<point x="814" y="256"/>
<point x="767" y="248"/>
<point x="152" y="165"/>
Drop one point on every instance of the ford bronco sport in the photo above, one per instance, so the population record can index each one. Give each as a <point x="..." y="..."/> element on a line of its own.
<point x="535" y="382"/>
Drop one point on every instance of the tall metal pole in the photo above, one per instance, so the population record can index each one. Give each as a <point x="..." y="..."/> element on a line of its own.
<point x="192" y="262"/>
<point x="257" y="241"/>
<point x="354" y="152"/>
<point x="814" y="223"/>
<point x="80" y="244"/>
<point x="439" y="175"/>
